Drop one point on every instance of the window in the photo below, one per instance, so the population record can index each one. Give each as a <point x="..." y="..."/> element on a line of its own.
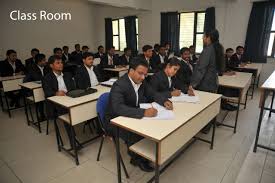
<point x="191" y="30"/>
<point x="119" y="35"/>
<point x="271" y="45"/>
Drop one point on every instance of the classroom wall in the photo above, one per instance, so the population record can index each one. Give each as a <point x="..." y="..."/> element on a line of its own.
<point x="24" y="35"/>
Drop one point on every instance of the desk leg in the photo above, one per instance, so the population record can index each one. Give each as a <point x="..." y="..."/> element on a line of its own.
<point x="258" y="81"/>
<point x="38" y="120"/>
<point x="271" y="107"/>
<point x="118" y="156"/>
<point x="253" y="86"/>
<point x="259" y="123"/>
<point x="245" y="99"/>
<point x="237" y="114"/>
<point x="57" y="135"/>
<point x="74" y="144"/>
<point x="8" y="106"/>
<point x="26" y="110"/>
<point x="157" y="164"/>
<point x="213" y="133"/>
<point x="1" y="102"/>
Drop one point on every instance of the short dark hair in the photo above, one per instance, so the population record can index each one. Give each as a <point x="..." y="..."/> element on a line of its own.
<point x="137" y="61"/>
<point x="184" y="49"/>
<point x="54" y="58"/>
<point x="85" y="47"/>
<point x="10" y="52"/>
<point x="99" y="47"/>
<point x="156" y="47"/>
<point x="146" y="47"/>
<point x="34" y="50"/>
<point x="56" y="50"/>
<point x="65" y="47"/>
<point x="126" y="49"/>
<point x="174" y="61"/>
<point x="238" y="47"/>
<point x="76" y="45"/>
<point x="109" y="48"/>
<point x="87" y="54"/>
<point x="162" y="46"/>
<point x="229" y="49"/>
<point x="191" y="46"/>
<point x="39" y="57"/>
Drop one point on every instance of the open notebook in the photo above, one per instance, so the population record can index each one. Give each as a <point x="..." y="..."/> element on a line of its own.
<point x="110" y="82"/>
<point x="163" y="113"/>
<point x="186" y="98"/>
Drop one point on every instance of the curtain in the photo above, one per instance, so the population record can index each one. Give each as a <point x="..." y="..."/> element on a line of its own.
<point x="210" y="19"/>
<point x="108" y="33"/>
<point x="170" y="30"/>
<point x="131" y="31"/>
<point x="257" y="36"/>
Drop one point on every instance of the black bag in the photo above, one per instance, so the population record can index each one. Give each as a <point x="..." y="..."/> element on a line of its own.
<point x="79" y="93"/>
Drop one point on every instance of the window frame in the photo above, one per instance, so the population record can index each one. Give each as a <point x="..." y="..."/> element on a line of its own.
<point x="195" y="33"/>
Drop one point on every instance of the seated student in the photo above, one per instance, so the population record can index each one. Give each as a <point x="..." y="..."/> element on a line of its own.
<point x="31" y="60"/>
<point x="100" y="54"/>
<point x="126" y="58"/>
<point x="56" y="52"/>
<point x="110" y="60"/>
<point x="159" y="59"/>
<point x="9" y="67"/>
<point x="125" y="97"/>
<point x="237" y="59"/>
<point x="228" y="54"/>
<point x="57" y="83"/>
<point x="38" y="69"/>
<point x="66" y="56"/>
<point x="168" y="51"/>
<point x="164" y="81"/>
<point x="184" y="74"/>
<point x="77" y="50"/>
<point x="156" y="49"/>
<point x="147" y="55"/>
<point x="193" y="57"/>
<point x="87" y="75"/>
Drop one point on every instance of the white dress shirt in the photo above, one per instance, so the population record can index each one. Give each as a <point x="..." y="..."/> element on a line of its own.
<point x="161" y="58"/>
<point x="136" y="88"/>
<point x="190" y="66"/>
<point x="41" y="69"/>
<point x="13" y="66"/>
<point x="61" y="83"/>
<point x="110" y="60"/>
<point x="170" y="82"/>
<point x="93" y="78"/>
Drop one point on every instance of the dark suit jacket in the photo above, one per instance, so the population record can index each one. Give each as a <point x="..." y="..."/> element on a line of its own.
<point x="29" y="62"/>
<point x="7" y="70"/>
<point x="122" y="100"/>
<point x="194" y="60"/>
<point x="235" y="61"/>
<point x="50" y="83"/>
<point x="34" y="73"/>
<point x="64" y="59"/>
<point x="150" y="62"/>
<point x="104" y="61"/>
<point x="183" y="77"/>
<point x="159" y="82"/>
<point x="156" y="63"/>
<point x="97" y="55"/>
<point x="82" y="78"/>
<point x="124" y="61"/>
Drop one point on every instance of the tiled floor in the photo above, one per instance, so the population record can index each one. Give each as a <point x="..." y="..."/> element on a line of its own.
<point x="29" y="157"/>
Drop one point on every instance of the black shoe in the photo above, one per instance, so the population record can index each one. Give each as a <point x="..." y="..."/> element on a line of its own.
<point x="145" y="166"/>
<point x="232" y="107"/>
<point x="134" y="162"/>
<point x="12" y="102"/>
<point x="226" y="107"/>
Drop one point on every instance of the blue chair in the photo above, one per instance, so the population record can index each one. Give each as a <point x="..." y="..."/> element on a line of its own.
<point x="101" y="107"/>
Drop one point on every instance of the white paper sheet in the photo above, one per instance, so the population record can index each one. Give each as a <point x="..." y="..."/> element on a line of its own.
<point x="185" y="98"/>
<point x="163" y="113"/>
<point x="110" y="82"/>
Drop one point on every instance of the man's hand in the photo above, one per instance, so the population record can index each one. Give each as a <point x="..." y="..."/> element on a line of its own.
<point x="168" y="105"/>
<point x="60" y="93"/>
<point x="176" y="93"/>
<point x="150" y="112"/>
<point x="190" y="91"/>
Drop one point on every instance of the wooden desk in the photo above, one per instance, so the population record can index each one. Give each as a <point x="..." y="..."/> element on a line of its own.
<point x="164" y="138"/>
<point x="240" y="81"/>
<point x="266" y="88"/>
<point x="80" y="110"/>
<point x="10" y="83"/>
<point x="37" y="95"/>
<point x="255" y="69"/>
<point x="120" y="70"/>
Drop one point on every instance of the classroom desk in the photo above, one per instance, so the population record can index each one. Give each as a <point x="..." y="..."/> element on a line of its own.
<point x="256" y="70"/>
<point x="10" y="83"/>
<point x="240" y="81"/>
<point x="165" y="138"/>
<point x="266" y="88"/>
<point x="120" y="70"/>
<point x="80" y="109"/>
<point x="37" y="95"/>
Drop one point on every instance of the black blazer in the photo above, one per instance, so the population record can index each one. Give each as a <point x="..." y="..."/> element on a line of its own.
<point x="193" y="60"/>
<point x="183" y="77"/>
<point x="122" y="99"/>
<point x="104" y="61"/>
<point x="50" y="83"/>
<point x="82" y="78"/>
<point x="124" y="61"/>
<point x="97" y="55"/>
<point x="7" y="70"/>
<point x="64" y="59"/>
<point x="34" y="73"/>
<point x="29" y="62"/>
<point x="235" y="61"/>
<point x="159" y="82"/>
<point x="150" y="62"/>
<point x="156" y="63"/>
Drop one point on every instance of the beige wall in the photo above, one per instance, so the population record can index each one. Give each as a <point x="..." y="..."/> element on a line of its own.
<point x="45" y="35"/>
